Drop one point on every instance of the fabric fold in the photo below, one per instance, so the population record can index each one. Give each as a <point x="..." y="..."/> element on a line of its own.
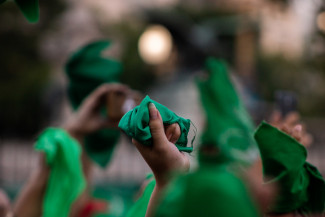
<point x="66" y="181"/>
<point x="135" y="124"/>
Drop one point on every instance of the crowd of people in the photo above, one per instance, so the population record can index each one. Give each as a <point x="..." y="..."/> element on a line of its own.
<point x="243" y="170"/>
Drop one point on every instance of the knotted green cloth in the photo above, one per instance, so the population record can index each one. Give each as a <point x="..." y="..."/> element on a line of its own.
<point x="301" y="186"/>
<point x="87" y="69"/>
<point x="206" y="193"/>
<point x="139" y="208"/>
<point x="228" y="125"/>
<point x="66" y="181"/>
<point x="29" y="8"/>
<point x="135" y="124"/>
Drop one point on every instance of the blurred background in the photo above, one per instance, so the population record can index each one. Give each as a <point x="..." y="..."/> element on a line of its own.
<point x="270" y="46"/>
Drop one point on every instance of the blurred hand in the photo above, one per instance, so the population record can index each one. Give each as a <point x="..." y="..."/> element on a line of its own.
<point x="88" y="118"/>
<point x="292" y="125"/>
<point x="163" y="157"/>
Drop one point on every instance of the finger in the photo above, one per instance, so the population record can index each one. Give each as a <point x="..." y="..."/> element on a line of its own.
<point x="173" y="132"/>
<point x="94" y="99"/>
<point x="296" y="132"/>
<point x="291" y="119"/>
<point x="307" y="140"/>
<point x="275" y="118"/>
<point x="156" y="126"/>
<point x="286" y="129"/>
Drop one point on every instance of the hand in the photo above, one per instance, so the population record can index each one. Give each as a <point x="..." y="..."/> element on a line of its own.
<point x="163" y="157"/>
<point x="291" y="124"/>
<point x="88" y="118"/>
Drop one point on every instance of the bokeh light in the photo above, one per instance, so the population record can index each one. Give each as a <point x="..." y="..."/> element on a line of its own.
<point x="155" y="44"/>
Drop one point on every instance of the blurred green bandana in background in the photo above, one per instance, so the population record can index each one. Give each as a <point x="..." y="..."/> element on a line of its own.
<point x="301" y="186"/>
<point x="228" y="127"/>
<point x="87" y="69"/>
<point x="29" y="8"/>
<point x="135" y="124"/>
<point x="207" y="193"/>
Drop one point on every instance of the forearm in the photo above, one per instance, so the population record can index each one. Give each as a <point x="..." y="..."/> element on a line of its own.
<point x="30" y="200"/>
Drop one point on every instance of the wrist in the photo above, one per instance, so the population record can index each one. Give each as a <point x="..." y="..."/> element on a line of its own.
<point x="74" y="131"/>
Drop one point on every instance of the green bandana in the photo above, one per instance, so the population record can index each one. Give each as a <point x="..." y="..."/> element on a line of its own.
<point x="86" y="70"/>
<point x="135" y="124"/>
<point x="139" y="209"/>
<point x="66" y="181"/>
<point x="300" y="184"/>
<point x="207" y="193"/>
<point x="29" y="8"/>
<point x="228" y="125"/>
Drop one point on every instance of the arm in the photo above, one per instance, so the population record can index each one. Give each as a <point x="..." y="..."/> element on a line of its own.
<point x="162" y="157"/>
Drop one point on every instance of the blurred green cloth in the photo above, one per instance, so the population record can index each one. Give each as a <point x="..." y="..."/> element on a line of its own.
<point x="139" y="208"/>
<point x="66" y="181"/>
<point x="135" y="124"/>
<point x="87" y="69"/>
<point x="228" y="126"/>
<point x="205" y="193"/>
<point x="301" y="186"/>
<point x="29" y="8"/>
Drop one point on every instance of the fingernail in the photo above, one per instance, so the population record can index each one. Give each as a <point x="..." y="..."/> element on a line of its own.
<point x="153" y="111"/>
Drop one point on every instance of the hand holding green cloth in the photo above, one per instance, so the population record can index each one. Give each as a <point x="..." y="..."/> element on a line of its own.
<point x="301" y="186"/>
<point x="228" y="125"/>
<point x="29" y="8"/>
<point x="206" y="193"/>
<point x="66" y="181"/>
<point x="135" y="124"/>
<point x="139" y="208"/>
<point x="87" y="69"/>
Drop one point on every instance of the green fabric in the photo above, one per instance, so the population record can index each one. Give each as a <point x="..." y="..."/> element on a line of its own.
<point x="301" y="186"/>
<point x="86" y="70"/>
<point x="206" y="193"/>
<point x="135" y="124"/>
<point x="66" y="181"/>
<point x="139" y="208"/>
<point x="228" y="125"/>
<point x="29" y="8"/>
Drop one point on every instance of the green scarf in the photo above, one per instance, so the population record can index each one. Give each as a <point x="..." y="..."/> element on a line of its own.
<point x="66" y="181"/>
<point x="301" y="186"/>
<point x="86" y="70"/>
<point x="29" y="8"/>
<point x="228" y="125"/>
<point x="205" y="193"/>
<point x="139" y="208"/>
<point x="135" y="124"/>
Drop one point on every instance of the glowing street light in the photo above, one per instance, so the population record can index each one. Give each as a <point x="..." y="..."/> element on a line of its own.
<point x="155" y="44"/>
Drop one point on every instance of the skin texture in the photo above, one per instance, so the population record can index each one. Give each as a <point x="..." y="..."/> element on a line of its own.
<point x="162" y="157"/>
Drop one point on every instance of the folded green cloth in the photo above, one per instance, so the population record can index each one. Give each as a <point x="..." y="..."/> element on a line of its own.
<point x="29" y="8"/>
<point x="87" y="69"/>
<point x="301" y="186"/>
<point x="66" y="181"/>
<point x="135" y="124"/>
<point x="206" y="193"/>
<point x="228" y="126"/>
<point x="139" y="208"/>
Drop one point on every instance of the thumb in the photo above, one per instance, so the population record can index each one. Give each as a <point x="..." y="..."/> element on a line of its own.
<point x="156" y="125"/>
